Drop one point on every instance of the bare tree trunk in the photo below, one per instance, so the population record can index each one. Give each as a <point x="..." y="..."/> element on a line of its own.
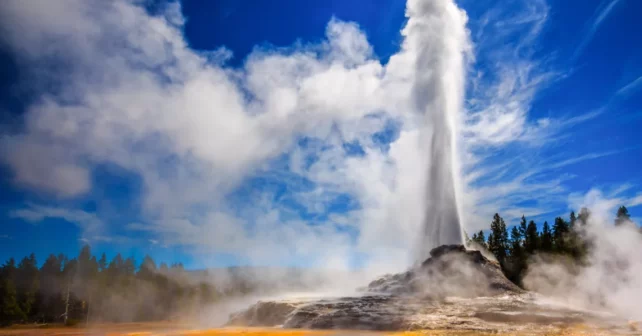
<point x="67" y="302"/>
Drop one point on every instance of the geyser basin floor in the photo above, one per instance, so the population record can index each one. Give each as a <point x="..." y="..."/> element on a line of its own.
<point x="516" y="314"/>
<point x="455" y="289"/>
<point x="129" y="330"/>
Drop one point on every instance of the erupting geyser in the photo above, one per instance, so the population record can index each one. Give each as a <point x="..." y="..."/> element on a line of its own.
<point x="449" y="287"/>
<point x="436" y="34"/>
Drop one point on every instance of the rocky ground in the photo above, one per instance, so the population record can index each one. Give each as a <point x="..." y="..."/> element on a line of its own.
<point x="455" y="289"/>
<point x="117" y="330"/>
<point x="454" y="292"/>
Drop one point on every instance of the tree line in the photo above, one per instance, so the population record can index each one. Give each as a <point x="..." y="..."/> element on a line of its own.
<point x="564" y="238"/>
<point x="90" y="289"/>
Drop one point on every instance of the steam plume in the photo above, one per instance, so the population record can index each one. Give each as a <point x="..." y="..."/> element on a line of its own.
<point x="436" y="33"/>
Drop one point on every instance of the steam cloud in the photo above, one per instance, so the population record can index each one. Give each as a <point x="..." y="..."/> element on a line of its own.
<point x="117" y="86"/>
<point x="436" y="33"/>
<point x="612" y="281"/>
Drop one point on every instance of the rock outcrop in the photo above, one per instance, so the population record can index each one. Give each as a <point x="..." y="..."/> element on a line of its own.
<point x="451" y="270"/>
<point x="393" y="302"/>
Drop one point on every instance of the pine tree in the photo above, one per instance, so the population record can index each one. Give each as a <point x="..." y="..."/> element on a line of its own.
<point x="560" y="235"/>
<point x="147" y="269"/>
<point x="27" y="284"/>
<point x="70" y="269"/>
<point x="531" y="239"/>
<point x="517" y="257"/>
<point x="515" y="241"/>
<point x="177" y="266"/>
<point x="49" y="273"/>
<point x="10" y="311"/>
<point x="115" y="268"/>
<point x="102" y="263"/>
<point x="574" y="238"/>
<point x="498" y="239"/>
<point x="129" y="267"/>
<point x="51" y="306"/>
<point x="87" y="265"/>
<point x="480" y="239"/>
<point x="84" y="256"/>
<point x="546" y="238"/>
<point x="573" y="220"/>
<point x="584" y="216"/>
<point x="622" y="216"/>
<point x="523" y="227"/>
<point x="86" y="281"/>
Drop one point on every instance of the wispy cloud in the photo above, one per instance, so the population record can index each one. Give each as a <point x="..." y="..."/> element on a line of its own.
<point x="88" y="222"/>
<point x="498" y="121"/>
<point x="630" y="87"/>
<point x="501" y="94"/>
<point x="578" y="159"/>
<point x="93" y="229"/>
<point x="507" y="163"/>
<point x="603" y="11"/>
<point x="111" y="240"/>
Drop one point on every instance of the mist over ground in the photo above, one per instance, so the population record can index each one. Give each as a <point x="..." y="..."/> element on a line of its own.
<point x="610" y="279"/>
<point x="319" y="164"/>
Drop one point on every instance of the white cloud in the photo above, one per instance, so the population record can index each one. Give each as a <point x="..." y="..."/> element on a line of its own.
<point x="127" y="90"/>
<point x="118" y="86"/>
<point x="45" y="166"/>
<point x="500" y="98"/>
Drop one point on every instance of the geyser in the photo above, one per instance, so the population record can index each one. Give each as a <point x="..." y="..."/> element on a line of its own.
<point x="453" y="289"/>
<point x="436" y="33"/>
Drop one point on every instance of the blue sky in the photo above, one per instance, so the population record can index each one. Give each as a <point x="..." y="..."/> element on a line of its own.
<point x="173" y="130"/>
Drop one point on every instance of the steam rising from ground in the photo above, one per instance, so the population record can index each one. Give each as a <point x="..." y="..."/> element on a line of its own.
<point x="612" y="280"/>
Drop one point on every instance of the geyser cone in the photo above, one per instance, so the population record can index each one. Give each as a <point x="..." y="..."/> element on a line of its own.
<point x="436" y="33"/>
